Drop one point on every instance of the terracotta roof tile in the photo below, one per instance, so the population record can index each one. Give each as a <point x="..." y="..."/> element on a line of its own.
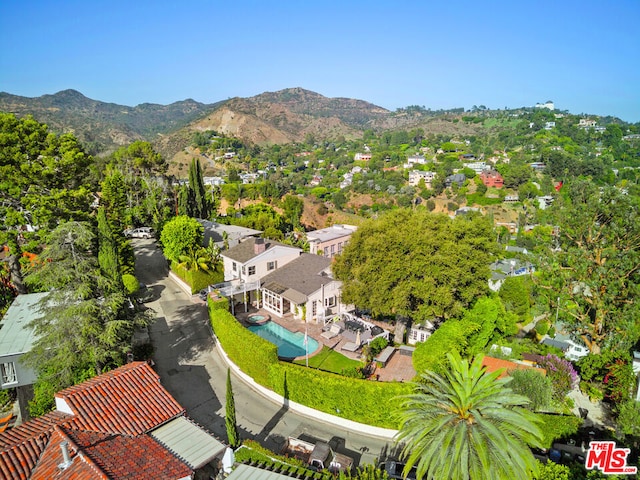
<point x="492" y="364"/>
<point x="124" y="457"/>
<point x="38" y="426"/>
<point x="129" y="400"/>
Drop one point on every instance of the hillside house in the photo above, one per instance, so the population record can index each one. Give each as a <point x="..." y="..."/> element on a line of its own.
<point x="492" y="179"/>
<point x="216" y="232"/>
<point x="502" y="269"/>
<point x="362" y="156"/>
<point x="331" y="240"/>
<point x="549" y="125"/>
<point x="477" y="167"/>
<point x="213" y="181"/>
<point x="254" y="258"/>
<point x="419" y="332"/>
<point x="457" y="178"/>
<point x="416" y="160"/>
<point x="122" y="424"/>
<point x="416" y="175"/>
<point x="305" y="288"/>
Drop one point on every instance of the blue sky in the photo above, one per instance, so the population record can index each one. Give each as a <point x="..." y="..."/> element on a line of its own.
<point x="585" y="56"/>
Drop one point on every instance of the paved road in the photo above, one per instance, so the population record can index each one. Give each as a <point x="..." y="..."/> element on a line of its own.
<point x="193" y="371"/>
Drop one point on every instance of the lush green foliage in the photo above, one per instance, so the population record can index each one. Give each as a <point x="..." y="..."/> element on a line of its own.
<point x="416" y="264"/>
<point x="358" y="400"/>
<point x="556" y="427"/>
<point x="595" y="272"/>
<point x="533" y="385"/>
<point x="610" y="373"/>
<point x="515" y="293"/>
<point x="561" y="373"/>
<point x="233" y="436"/>
<point x="131" y="283"/>
<point x="452" y="336"/>
<point x="467" y="424"/>
<point x="179" y="235"/>
<point x="553" y="471"/>
<point x="198" y="279"/>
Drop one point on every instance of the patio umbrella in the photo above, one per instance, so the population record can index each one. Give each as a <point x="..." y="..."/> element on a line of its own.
<point x="228" y="459"/>
<point x="358" y="341"/>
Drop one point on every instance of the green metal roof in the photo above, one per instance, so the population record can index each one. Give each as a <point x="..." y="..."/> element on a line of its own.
<point x="189" y="442"/>
<point x="15" y="334"/>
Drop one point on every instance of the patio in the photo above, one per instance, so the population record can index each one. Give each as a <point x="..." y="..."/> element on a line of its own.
<point x="398" y="368"/>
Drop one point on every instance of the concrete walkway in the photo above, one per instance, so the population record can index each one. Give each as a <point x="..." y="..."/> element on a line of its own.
<point x="194" y="372"/>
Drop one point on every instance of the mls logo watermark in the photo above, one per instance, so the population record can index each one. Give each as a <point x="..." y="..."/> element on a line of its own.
<point x="608" y="459"/>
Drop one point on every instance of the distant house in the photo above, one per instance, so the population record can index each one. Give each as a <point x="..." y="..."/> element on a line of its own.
<point x="545" y="201"/>
<point x="548" y="105"/>
<point x="316" y="180"/>
<point x="419" y="332"/>
<point x="457" y="178"/>
<point x="213" y="181"/>
<point x="502" y="269"/>
<point x="572" y="350"/>
<point x="216" y="232"/>
<point x="330" y="241"/>
<point x="510" y="199"/>
<point x="362" y="156"/>
<point x="303" y="287"/>
<point x="586" y="123"/>
<point x="549" y="125"/>
<point x="416" y="160"/>
<point x="538" y="166"/>
<point x="492" y="179"/>
<point x="416" y="175"/>
<point x="119" y="425"/>
<point x="477" y="167"/>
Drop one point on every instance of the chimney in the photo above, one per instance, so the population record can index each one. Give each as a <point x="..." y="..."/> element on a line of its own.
<point x="64" y="446"/>
<point x="259" y="246"/>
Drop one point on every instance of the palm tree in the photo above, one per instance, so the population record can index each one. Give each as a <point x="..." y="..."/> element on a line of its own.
<point x="195" y="259"/>
<point x="467" y="424"/>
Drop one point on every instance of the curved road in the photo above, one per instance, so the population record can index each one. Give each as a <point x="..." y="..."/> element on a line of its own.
<point x="193" y="371"/>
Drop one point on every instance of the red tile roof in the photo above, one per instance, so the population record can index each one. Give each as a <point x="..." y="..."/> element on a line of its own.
<point x="106" y="432"/>
<point x="492" y="364"/>
<point x="129" y="400"/>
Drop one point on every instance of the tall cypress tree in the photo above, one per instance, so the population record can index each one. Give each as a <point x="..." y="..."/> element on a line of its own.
<point x="200" y="205"/>
<point x="230" y="415"/>
<point x="108" y="250"/>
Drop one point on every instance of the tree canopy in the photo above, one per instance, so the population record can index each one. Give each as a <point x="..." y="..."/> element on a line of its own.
<point x="417" y="264"/>
<point x="594" y="268"/>
<point x="180" y="235"/>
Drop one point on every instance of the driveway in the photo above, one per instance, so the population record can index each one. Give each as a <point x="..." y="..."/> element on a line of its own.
<point x="193" y="371"/>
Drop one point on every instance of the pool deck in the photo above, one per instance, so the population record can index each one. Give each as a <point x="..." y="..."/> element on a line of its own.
<point x="398" y="368"/>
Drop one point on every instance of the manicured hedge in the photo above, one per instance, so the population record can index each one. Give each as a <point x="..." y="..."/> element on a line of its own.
<point x="362" y="401"/>
<point x="556" y="427"/>
<point x="248" y="351"/>
<point x="198" y="280"/>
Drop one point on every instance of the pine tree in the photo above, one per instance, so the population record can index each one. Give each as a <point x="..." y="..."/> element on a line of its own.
<point x="230" y="415"/>
<point x="108" y="249"/>
<point x="200" y="206"/>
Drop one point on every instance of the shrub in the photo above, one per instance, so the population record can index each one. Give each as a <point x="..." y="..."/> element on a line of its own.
<point x="533" y="385"/>
<point x="561" y="373"/>
<point x="131" y="283"/>
<point x="542" y="327"/>
<point x="556" y="427"/>
<point x="199" y="279"/>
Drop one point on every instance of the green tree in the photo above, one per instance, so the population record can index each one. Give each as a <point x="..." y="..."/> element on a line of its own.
<point x="553" y="471"/>
<point x="628" y="421"/>
<point x="293" y="207"/>
<point x="419" y="264"/>
<point x="467" y="424"/>
<point x="230" y="415"/>
<point x="43" y="181"/>
<point x="515" y="293"/>
<point x="594" y="269"/>
<point x="199" y="205"/>
<point x="179" y="235"/>
<point x="108" y="249"/>
<point x="86" y="327"/>
<point x="195" y="259"/>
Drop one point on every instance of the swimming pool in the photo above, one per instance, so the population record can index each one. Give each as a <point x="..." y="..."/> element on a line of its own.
<point x="290" y="344"/>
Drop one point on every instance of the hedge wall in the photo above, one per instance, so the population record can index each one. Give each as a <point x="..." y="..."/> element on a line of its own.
<point x="248" y="351"/>
<point x="198" y="280"/>
<point x="362" y="401"/>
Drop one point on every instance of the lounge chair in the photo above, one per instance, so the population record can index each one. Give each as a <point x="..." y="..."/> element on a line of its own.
<point x="350" y="347"/>
<point x="334" y="331"/>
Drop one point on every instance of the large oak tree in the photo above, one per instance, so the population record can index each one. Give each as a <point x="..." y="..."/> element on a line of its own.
<point x="417" y="264"/>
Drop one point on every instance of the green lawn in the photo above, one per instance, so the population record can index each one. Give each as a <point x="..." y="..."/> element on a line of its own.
<point x="330" y="361"/>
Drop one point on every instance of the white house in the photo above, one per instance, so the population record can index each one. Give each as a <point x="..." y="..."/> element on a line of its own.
<point x="477" y="167"/>
<point x="254" y="258"/>
<point x="419" y="332"/>
<point x="416" y="175"/>
<point x="304" y="287"/>
<point x="330" y="241"/>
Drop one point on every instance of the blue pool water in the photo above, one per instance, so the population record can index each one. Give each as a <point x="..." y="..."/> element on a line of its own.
<point x="290" y="344"/>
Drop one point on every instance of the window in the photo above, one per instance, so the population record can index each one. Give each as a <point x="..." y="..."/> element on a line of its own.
<point x="272" y="265"/>
<point x="330" y="302"/>
<point x="326" y="251"/>
<point x="244" y="271"/>
<point x="333" y="250"/>
<point x="252" y="270"/>
<point x="314" y="308"/>
<point x="339" y="247"/>
<point x="235" y="267"/>
<point x="8" y="371"/>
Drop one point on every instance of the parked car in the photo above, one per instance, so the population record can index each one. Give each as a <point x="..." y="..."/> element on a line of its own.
<point x="141" y="232"/>
<point x="394" y="470"/>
